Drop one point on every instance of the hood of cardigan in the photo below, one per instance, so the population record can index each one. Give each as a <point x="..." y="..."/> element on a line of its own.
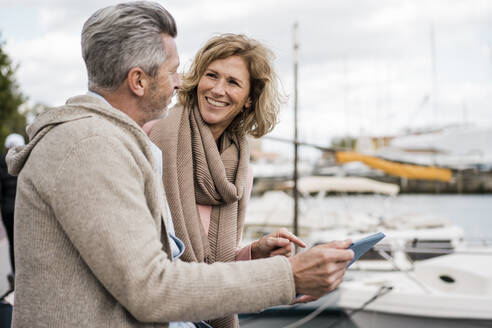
<point x="76" y="108"/>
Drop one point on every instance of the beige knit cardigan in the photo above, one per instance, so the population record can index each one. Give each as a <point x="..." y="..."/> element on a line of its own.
<point x="90" y="229"/>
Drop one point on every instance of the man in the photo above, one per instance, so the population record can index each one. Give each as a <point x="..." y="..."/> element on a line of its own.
<point x="91" y="228"/>
<point x="8" y="186"/>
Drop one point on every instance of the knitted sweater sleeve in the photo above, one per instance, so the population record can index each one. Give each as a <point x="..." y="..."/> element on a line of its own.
<point x="101" y="203"/>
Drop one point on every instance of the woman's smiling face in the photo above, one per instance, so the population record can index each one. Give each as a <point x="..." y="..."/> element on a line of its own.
<point x="223" y="91"/>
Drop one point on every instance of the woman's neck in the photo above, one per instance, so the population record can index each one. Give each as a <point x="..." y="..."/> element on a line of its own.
<point x="217" y="132"/>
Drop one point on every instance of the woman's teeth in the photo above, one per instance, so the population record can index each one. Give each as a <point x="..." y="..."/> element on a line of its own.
<point x="216" y="103"/>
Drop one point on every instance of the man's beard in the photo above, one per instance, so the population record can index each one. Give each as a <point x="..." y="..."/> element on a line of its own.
<point x="154" y="105"/>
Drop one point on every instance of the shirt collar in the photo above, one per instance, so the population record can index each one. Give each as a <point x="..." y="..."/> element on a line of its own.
<point x="97" y="95"/>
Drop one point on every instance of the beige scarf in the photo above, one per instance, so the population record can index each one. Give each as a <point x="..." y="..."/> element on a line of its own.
<point x="194" y="172"/>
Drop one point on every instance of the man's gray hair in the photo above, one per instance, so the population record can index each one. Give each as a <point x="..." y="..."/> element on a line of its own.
<point x="117" y="38"/>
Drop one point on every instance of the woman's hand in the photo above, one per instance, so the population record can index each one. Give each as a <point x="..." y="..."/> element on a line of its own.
<point x="280" y="242"/>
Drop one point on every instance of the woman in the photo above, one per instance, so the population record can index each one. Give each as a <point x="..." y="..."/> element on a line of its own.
<point x="229" y="92"/>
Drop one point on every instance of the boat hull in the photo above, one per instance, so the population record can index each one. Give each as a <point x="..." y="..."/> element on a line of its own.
<point x="372" y="319"/>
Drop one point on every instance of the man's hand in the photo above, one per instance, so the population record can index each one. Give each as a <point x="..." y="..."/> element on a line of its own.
<point x="280" y="242"/>
<point x="320" y="269"/>
<point x="305" y="299"/>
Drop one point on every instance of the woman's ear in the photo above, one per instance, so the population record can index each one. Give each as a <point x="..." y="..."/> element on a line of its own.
<point x="248" y="103"/>
<point x="137" y="81"/>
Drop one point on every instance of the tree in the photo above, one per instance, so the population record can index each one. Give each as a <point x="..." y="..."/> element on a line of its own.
<point x="11" y="120"/>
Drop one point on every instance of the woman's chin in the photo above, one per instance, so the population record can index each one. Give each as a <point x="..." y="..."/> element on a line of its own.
<point x="211" y="119"/>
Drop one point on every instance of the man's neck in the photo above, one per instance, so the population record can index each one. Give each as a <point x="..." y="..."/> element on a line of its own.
<point x="123" y="101"/>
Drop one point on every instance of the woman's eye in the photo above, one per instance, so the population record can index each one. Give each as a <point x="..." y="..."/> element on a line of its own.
<point x="211" y="75"/>
<point x="234" y="82"/>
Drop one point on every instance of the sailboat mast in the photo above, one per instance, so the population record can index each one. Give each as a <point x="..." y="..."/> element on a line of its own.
<point x="296" y="145"/>
<point x="434" y="75"/>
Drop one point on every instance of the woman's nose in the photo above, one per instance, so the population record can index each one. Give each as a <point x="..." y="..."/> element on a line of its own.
<point x="218" y="88"/>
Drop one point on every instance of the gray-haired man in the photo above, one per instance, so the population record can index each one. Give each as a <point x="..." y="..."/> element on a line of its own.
<point x="92" y="235"/>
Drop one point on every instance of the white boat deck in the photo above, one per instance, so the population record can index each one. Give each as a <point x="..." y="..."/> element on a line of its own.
<point x="451" y="286"/>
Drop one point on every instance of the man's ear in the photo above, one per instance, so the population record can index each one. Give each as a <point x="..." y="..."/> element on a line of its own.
<point x="137" y="81"/>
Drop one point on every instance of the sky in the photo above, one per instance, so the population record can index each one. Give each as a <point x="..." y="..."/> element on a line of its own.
<point x="365" y="67"/>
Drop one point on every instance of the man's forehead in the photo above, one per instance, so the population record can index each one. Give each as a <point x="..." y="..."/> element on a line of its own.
<point x="171" y="49"/>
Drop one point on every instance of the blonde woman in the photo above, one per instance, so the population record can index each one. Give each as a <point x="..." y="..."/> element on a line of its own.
<point x="229" y="92"/>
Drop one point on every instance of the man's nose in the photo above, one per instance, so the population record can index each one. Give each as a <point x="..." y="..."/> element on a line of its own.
<point x="177" y="82"/>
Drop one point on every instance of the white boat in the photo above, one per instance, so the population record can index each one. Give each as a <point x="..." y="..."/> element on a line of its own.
<point x="408" y="239"/>
<point x="403" y="282"/>
<point x="458" y="147"/>
<point x="274" y="209"/>
<point x="452" y="290"/>
<point x="410" y="236"/>
<point x="323" y="184"/>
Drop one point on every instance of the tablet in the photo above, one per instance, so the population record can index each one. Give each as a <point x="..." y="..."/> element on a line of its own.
<point x="360" y="247"/>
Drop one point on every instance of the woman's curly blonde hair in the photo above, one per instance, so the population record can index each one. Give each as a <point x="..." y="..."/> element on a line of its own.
<point x="265" y="97"/>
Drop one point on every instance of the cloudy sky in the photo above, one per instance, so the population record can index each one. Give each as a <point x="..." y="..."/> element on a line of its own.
<point x="365" y="67"/>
